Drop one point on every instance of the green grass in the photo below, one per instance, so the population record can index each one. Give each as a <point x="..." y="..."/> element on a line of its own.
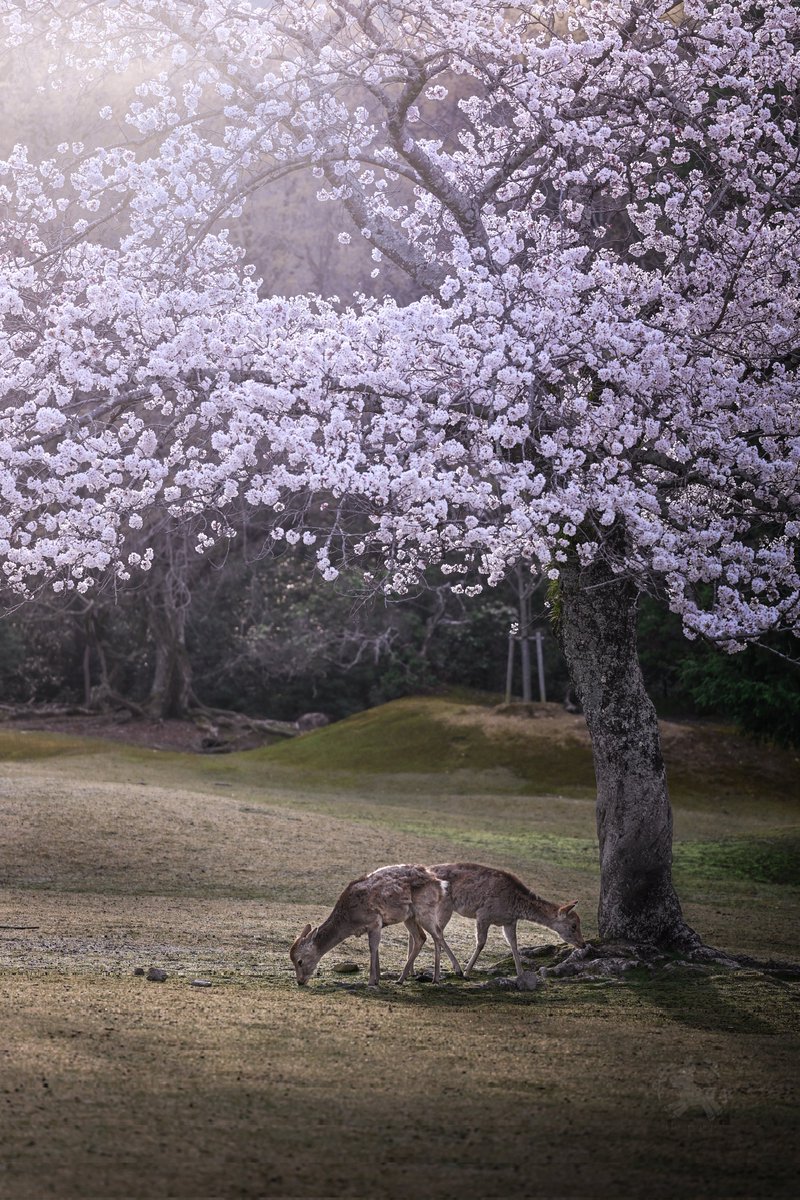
<point x="418" y="736"/>
<point x="407" y="737"/>
<point x="453" y="738"/>
<point x="773" y="860"/>
<point x="441" y="768"/>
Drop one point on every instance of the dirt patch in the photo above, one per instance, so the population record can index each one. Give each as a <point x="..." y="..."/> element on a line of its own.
<point x="68" y="834"/>
<point x="545" y="722"/>
<point x="134" y="731"/>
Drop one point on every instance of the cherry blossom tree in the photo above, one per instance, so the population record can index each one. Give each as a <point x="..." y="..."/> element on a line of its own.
<point x="597" y="204"/>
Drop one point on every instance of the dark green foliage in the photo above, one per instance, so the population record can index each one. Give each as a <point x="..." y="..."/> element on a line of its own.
<point x="12" y="657"/>
<point x="40" y="656"/>
<point x="44" y="644"/>
<point x="662" y="648"/>
<point x="269" y="637"/>
<point x="758" y="690"/>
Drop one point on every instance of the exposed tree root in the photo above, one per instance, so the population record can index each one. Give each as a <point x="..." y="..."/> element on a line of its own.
<point x="223" y="729"/>
<point x="604" y="959"/>
<point x="613" y="960"/>
<point x="19" y="712"/>
<point x="106" y="702"/>
<point x="219" y="731"/>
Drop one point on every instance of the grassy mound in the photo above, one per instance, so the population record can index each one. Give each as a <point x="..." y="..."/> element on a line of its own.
<point x="436" y="735"/>
<point x="548" y="752"/>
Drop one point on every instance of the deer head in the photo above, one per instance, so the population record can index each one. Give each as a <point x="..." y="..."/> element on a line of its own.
<point x="304" y="955"/>
<point x="568" y="924"/>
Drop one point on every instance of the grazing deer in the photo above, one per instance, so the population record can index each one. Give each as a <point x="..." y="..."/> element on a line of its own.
<point x="385" y="897"/>
<point x="494" y="897"/>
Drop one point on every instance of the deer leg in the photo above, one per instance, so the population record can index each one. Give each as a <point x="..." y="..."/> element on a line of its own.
<point x="440" y="944"/>
<point x="456" y="965"/>
<point x="481" y="933"/>
<point x="374" y="936"/>
<point x="416" y="940"/>
<point x="510" y="934"/>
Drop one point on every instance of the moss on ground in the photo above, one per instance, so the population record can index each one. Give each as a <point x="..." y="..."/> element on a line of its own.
<point x="439" y="736"/>
<point x="18" y="745"/>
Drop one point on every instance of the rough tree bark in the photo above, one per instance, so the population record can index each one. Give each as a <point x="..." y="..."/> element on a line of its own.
<point x="597" y="630"/>
<point x="171" y="686"/>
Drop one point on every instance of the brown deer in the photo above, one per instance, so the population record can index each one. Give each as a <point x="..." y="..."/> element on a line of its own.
<point x="385" y="897"/>
<point x="494" y="897"/>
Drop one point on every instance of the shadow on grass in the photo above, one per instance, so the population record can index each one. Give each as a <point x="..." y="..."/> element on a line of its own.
<point x="453" y="993"/>
<point x="735" y="1002"/>
<point x="743" y="1002"/>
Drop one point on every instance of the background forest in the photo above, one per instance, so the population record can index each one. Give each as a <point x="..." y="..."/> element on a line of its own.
<point x="265" y="636"/>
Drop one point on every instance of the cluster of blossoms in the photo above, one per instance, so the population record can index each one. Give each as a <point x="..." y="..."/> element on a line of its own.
<point x="598" y="205"/>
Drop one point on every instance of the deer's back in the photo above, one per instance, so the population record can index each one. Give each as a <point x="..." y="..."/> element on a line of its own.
<point x="393" y="893"/>
<point x="475" y="888"/>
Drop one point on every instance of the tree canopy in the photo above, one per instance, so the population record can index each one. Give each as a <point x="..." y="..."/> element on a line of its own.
<point x="597" y="205"/>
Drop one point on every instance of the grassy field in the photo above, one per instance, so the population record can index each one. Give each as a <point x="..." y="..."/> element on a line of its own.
<point x="113" y="858"/>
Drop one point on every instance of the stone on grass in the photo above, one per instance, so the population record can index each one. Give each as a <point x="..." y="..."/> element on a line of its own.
<point x="499" y="983"/>
<point x="156" y="974"/>
<point x="529" y="981"/>
<point x="312" y="720"/>
<point x="201" y="983"/>
<point x="138" y="970"/>
<point x="345" y="968"/>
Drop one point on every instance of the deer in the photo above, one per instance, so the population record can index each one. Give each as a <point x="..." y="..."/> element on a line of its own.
<point x="494" y="897"/>
<point x="386" y="896"/>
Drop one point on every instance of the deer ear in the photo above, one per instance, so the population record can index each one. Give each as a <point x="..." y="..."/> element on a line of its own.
<point x="300" y="936"/>
<point x="567" y="908"/>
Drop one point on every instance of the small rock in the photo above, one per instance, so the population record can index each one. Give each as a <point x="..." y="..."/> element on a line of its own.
<point x="215" y="745"/>
<point x="498" y="984"/>
<point x="156" y="974"/>
<point x="311" y="720"/>
<point x="424" y="977"/>
<point x="346" y="968"/>
<point x="138" y="970"/>
<point x="529" y="981"/>
<point x="201" y="983"/>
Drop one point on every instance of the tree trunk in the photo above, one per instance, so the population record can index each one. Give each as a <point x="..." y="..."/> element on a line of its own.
<point x="597" y="630"/>
<point x="96" y="696"/>
<point x="171" y="686"/>
<point x="524" y="643"/>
